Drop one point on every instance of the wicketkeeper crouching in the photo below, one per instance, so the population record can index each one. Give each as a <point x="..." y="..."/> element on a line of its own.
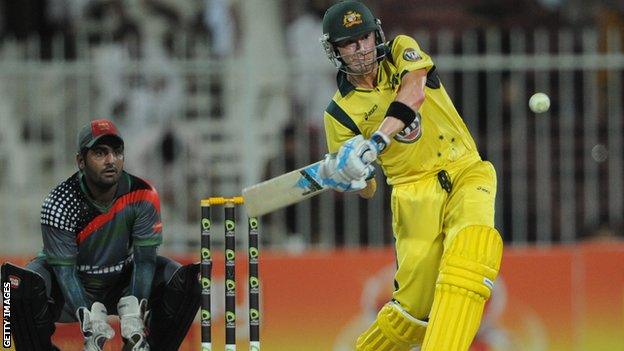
<point x="101" y="229"/>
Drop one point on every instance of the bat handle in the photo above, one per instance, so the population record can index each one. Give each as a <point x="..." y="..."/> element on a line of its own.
<point x="368" y="156"/>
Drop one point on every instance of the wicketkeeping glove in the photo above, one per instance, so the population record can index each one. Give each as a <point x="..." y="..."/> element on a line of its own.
<point x="132" y="315"/>
<point x="94" y="326"/>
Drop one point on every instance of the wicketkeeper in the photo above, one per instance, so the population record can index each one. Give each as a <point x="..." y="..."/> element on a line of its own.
<point x="101" y="230"/>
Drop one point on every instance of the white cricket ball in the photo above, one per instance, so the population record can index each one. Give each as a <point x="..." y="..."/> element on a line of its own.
<point x="539" y="102"/>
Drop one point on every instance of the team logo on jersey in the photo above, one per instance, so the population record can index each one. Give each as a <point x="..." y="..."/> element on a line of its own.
<point x="351" y="18"/>
<point x="411" y="133"/>
<point x="411" y="54"/>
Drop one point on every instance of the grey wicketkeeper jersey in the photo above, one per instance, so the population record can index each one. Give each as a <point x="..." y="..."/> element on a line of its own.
<point x="99" y="241"/>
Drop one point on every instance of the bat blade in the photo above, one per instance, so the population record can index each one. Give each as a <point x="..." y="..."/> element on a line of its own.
<point x="283" y="190"/>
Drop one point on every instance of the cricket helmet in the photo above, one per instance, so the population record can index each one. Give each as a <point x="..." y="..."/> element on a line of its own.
<point x="346" y="20"/>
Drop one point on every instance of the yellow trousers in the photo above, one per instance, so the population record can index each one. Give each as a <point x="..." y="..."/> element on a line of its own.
<point x="425" y="220"/>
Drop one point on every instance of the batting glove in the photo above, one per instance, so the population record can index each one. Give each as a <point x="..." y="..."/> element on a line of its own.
<point x="356" y="155"/>
<point x="330" y="176"/>
<point x="368" y="150"/>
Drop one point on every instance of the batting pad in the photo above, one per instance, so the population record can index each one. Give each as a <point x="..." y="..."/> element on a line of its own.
<point x="393" y="330"/>
<point x="467" y="272"/>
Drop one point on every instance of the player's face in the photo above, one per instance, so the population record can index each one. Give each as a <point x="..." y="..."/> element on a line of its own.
<point x="103" y="164"/>
<point x="359" y="54"/>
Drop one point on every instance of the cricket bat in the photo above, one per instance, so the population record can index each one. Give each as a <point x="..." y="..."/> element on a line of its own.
<point x="283" y="190"/>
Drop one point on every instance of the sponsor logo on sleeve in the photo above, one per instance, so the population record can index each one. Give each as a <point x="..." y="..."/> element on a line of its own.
<point x="410" y="54"/>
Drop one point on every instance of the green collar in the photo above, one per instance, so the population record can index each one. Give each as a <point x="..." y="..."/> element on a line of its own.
<point x="344" y="86"/>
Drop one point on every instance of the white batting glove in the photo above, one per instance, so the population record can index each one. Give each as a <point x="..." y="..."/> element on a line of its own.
<point x="356" y="155"/>
<point x="94" y="326"/>
<point x="332" y="178"/>
<point x="368" y="150"/>
<point x="350" y="164"/>
<point x="132" y="316"/>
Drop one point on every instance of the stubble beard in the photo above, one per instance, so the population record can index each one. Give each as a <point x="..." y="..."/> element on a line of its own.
<point x="101" y="182"/>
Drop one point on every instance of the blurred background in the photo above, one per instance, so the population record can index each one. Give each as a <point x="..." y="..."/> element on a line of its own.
<point x="215" y="95"/>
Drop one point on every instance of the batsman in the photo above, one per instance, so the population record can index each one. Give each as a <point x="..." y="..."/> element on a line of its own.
<point x="391" y="107"/>
<point x="101" y="230"/>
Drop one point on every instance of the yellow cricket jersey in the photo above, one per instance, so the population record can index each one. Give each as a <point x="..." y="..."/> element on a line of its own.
<point x="441" y="138"/>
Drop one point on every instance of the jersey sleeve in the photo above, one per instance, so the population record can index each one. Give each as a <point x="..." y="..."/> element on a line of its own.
<point x="58" y="228"/>
<point x="59" y="246"/>
<point x="407" y="55"/>
<point x="147" y="228"/>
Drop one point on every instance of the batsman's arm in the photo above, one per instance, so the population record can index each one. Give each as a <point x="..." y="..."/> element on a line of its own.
<point x="411" y="94"/>
<point x="402" y="112"/>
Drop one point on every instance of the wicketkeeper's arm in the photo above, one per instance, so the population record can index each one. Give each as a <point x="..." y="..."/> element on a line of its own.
<point x="143" y="273"/>
<point x="71" y="286"/>
<point x="146" y="237"/>
<point x="61" y="250"/>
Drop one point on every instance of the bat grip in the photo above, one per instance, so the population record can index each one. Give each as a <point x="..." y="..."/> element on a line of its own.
<point x="368" y="156"/>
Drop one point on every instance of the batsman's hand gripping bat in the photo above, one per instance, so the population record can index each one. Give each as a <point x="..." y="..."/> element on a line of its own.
<point x="283" y="190"/>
